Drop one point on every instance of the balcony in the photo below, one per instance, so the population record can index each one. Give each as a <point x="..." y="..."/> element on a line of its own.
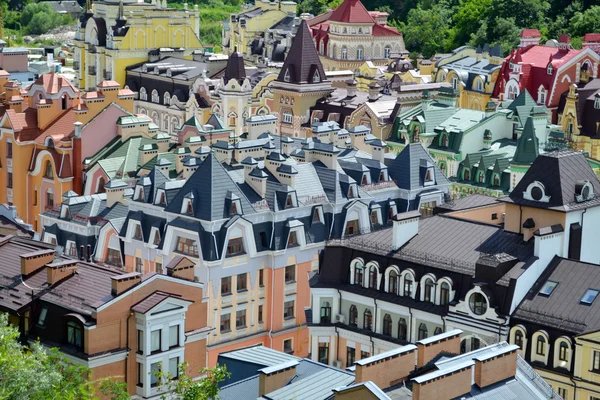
<point x="92" y="70"/>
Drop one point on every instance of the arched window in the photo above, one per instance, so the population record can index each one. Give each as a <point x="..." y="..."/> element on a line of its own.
<point x="481" y="177"/>
<point x="437" y="331"/>
<point x="542" y="95"/>
<point x="155" y="96"/>
<point x="353" y="316"/>
<point x="496" y="180"/>
<point x="477" y="303"/>
<point x="368" y="320"/>
<point x="563" y="351"/>
<point x="407" y="284"/>
<point x="422" y="331"/>
<point x="316" y="77"/>
<point x="519" y="339"/>
<point x="479" y="85"/>
<point x="550" y="69"/>
<point x="402" y="329"/>
<point x="359" y="53"/>
<point x="386" y="52"/>
<point x="513" y="92"/>
<point x="64" y="102"/>
<point x="429" y="290"/>
<point x="287" y="76"/>
<point x="102" y="183"/>
<point x="387" y="325"/>
<point x="444" y="140"/>
<point x="48" y="170"/>
<point x="358" y="274"/>
<point x="321" y="47"/>
<point x="540" y="346"/>
<point x="326" y="313"/>
<point x="454" y="83"/>
<point x="143" y="94"/>
<point x="444" y="293"/>
<point x="344" y="53"/>
<point x="466" y="174"/>
<point x="345" y="30"/>
<point x="167" y="98"/>
<point x="393" y="282"/>
<point x="373" y="277"/>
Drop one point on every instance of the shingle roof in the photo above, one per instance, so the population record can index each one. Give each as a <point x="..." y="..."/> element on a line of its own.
<point x="465" y="203"/>
<point x="351" y="11"/>
<point x="302" y="61"/>
<point x="406" y="168"/>
<point x="563" y="309"/>
<point x="527" y="145"/>
<point x="235" y="68"/>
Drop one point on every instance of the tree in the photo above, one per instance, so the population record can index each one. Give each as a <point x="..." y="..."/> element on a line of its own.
<point x="585" y="22"/>
<point x="186" y="388"/>
<point x="38" y="18"/>
<point x="32" y="373"/>
<point x="471" y="15"/>
<point x="428" y="30"/>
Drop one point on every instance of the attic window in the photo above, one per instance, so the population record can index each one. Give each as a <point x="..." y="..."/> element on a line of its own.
<point x="287" y="77"/>
<point x="317" y="215"/>
<point x="351" y="192"/>
<point x="316" y="77"/>
<point x="189" y="210"/>
<point x="550" y="69"/>
<point x="548" y="288"/>
<point x="289" y="202"/>
<point x="589" y="296"/>
<point x="235" y="247"/>
<point x="157" y="238"/>
<point x="429" y="175"/>
<point x="162" y="201"/>
<point x="292" y="239"/>
<point x="138" y="232"/>
<point x="140" y="196"/>
<point x="364" y="180"/>
<point x="235" y="208"/>
<point x="597" y="103"/>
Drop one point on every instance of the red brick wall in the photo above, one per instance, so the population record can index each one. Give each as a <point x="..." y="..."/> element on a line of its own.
<point x="496" y="369"/>
<point x="427" y="353"/>
<point x="387" y="372"/>
<point x="444" y="388"/>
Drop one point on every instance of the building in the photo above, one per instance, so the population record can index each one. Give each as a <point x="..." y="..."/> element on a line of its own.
<point x="69" y="7"/>
<point x="546" y="71"/>
<point x="12" y="224"/>
<point x="556" y="327"/>
<point x="431" y="369"/>
<point x="472" y="73"/>
<point x="262" y="31"/>
<point x="350" y="35"/>
<point x="47" y="132"/>
<point x="112" y="36"/>
<point x="578" y="116"/>
<point x="401" y="284"/>
<point x="119" y="325"/>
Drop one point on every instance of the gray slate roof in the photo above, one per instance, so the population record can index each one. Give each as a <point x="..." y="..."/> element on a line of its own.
<point x="406" y="170"/>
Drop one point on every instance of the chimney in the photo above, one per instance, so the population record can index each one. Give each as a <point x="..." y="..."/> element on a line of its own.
<point x="163" y="166"/>
<point x="190" y="166"/>
<point x="162" y="141"/>
<point x="81" y="252"/>
<point x="449" y="383"/>
<point x="181" y="267"/>
<point x="59" y="270"/>
<point x="15" y="103"/>
<point x="89" y="253"/>
<point x="530" y="37"/>
<point x="179" y="162"/>
<point x="34" y="261"/>
<point x="115" y="191"/>
<point x="447" y="342"/>
<point x="286" y="145"/>
<point x="497" y="366"/>
<point x="273" y="161"/>
<point x="547" y="241"/>
<point x="78" y="126"/>
<point x="406" y="226"/>
<point x="148" y="152"/>
<point x="378" y="150"/>
<point x="223" y="151"/>
<point x="351" y="87"/>
<point x="374" y="90"/>
<point x="388" y="368"/>
<point x="122" y="283"/>
<point x="276" y="377"/>
<point x="257" y="179"/>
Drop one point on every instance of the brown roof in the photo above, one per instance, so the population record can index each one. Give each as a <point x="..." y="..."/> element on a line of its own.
<point x="302" y="61"/>
<point x="153" y="300"/>
<point x="53" y="82"/>
<point x="235" y="68"/>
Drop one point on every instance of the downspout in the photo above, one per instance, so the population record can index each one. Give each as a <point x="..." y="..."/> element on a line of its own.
<point x="374" y="330"/>
<point x="520" y="219"/>
<point x="272" y="278"/>
<point x="128" y="349"/>
<point x="410" y="324"/>
<point x="332" y="218"/>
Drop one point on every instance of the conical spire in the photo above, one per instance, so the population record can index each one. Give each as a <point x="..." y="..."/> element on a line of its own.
<point x="121" y="12"/>
<point x="302" y="64"/>
<point x="527" y="145"/>
<point x="235" y="68"/>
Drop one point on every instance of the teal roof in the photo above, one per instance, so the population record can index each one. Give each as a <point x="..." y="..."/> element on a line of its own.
<point x="524" y="106"/>
<point x="527" y="145"/>
<point x="133" y="119"/>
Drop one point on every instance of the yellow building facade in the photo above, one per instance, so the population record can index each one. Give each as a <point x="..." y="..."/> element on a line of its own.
<point x="113" y="36"/>
<point x="579" y="118"/>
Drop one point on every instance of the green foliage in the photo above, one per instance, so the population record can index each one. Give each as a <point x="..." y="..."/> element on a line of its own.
<point x="38" y="18"/>
<point x="206" y="388"/>
<point x="32" y="373"/>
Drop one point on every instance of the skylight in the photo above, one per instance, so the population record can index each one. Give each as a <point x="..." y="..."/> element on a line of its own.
<point x="589" y="296"/>
<point x="548" y="287"/>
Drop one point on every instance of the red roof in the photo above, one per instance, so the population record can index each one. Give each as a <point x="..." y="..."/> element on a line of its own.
<point x="108" y="84"/>
<point x="564" y="38"/>
<point x="351" y="11"/>
<point x="591" y="37"/>
<point x="385" y="30"/>
<point x="530" y="33"/>
<point x="53" y="82"/>
<point x="93" y="95"/>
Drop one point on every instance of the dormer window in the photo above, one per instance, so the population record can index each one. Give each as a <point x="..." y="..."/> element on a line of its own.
<point x="536" y="192"/>
<point x="235" y="247"/>
<point x="352" y="192"/>
<point x="584" y="190"/>
<point x="140" y="195"/>
<point x="235" y="206"/>
<point x="429" y="176"/>
<point x="542" y="95"/>
<point x="287" y="77"/>
<point x="65" y="212"/>
<point x="189" y="209"/>
<point x="292" y="239"/>
<point x="317" y="215"/>
<point x="289" y="202"/>
<point x="550" y="70"/>
<point x="364" y="180"/>
<point x="137" y="233"/>
<point x="597" y="103"/>
<point x="316" y="77"/>
<point x="48" y="171"/>
<point x="162" y="199"/>
<point x="156" y="238"/>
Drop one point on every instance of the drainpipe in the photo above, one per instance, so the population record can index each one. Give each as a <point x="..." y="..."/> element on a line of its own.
<point x="410" y="324"/>
<point x="128" y="349"/>
<point x="272" y="278"/>
<point x="375" y="330"/>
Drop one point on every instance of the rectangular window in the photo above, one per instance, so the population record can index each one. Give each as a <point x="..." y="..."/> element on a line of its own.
<point x="187" y="246"/>
<point x="374" y="218"/>
<point x="158" y="267"/>
<point x="155" y="337"/>
<point x="173" y="336"/>
<point x="350" y="356"/>
<point x="154" y="372"/>
<point x="288" y="309"/>
<point x="140" y="342"/>
<point x="74" y="334"/>
<point x="292" y="240"/>
<point x="140" y="375"/>
<point x="138" y="264"/>
<point x="562" y="392"/>
<point x="225" y="323"/>
<point x="42" y="318"/>
<point x="137" y="234"/>
<point x="364" y="354"/>
<point x="235" y="247"/>
<point x="35" y="197"/>
<point x="9" y="182"/>
<point x="49" y="200"/>
<point x="287" y="117"/>
<point x="589" y="296"/>
<point x="548" y="288"/>
<point x="324" y="353"/>
<point x="494" y="217"/>
<point x="287" y="346"/>
<point x="261" y="281"/>
<point x="174" y="367"/>
<point x="225" y="285"/>
<point x="72" y="249"/>
<point x="290" y="274"/>
<point x="240" y="319"/>
<point x="596" y="361"/>
<point x="113" y="257"/>
<point x="242" y="282"/>
<point x="8" y="149"/>
<point x="260" y="314"/>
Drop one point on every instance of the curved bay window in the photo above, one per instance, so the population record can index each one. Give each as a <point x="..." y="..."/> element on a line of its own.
<point x="444" y="294"/>
<point x="387" y="325"/>
<point x="75" y="334"/>
<point x="368" y="320"/>
<point x="373" y="277"/>
<point x="326" y="313"/>
<point x="402" y="329"/>
<point x="353" y="316"/>
<point x="358" y="274"/>
<point x="423" y="332"/>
